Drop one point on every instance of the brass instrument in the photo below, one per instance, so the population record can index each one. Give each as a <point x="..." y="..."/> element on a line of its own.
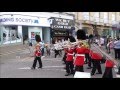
<point x="67" y="44"/>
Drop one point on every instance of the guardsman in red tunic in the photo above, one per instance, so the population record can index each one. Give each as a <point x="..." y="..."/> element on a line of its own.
<point x="79" y="57"/>
<point x="37" y="55"/>
<point x="96" y="58"/>
<point x="69" y="61"/>
<point x="108" y="69"/>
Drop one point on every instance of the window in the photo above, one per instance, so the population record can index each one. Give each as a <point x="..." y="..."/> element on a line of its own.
<point x="105" y="17"/>
<point x="113" y="18"/>
<point x="96" y="16"/>
<point x="11" y="34"/>
<point x="85" y="15"/>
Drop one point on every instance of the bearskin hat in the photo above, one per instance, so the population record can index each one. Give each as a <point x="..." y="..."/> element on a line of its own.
<point x="37" y="38"/>
<point x="81" y="34"/>
<point x="72" y="39"/>
<point x="90" y="36"/>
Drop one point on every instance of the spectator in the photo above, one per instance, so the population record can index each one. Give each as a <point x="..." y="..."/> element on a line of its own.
<point x="110" y="45"/>
<point x="48" y="48"/>
<point x="42" y="47"/>
<point x="102" y="41"/>
<point x="117" y="48"/>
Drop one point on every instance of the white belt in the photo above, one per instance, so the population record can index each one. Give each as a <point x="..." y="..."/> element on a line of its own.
<point x="70" y="54"/>
<point x="79" y="55"/>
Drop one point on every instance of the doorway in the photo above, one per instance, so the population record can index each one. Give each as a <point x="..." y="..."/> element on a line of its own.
<point x="25" y="33"/>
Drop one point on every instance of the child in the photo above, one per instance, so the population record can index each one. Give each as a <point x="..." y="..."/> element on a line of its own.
<point x="37" y="57"/>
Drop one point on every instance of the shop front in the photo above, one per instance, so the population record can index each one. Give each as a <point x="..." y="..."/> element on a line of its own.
<point x="17" y="28"/>
<point x="61" y="28"/>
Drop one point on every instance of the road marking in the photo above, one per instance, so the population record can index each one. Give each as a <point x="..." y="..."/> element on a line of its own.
<point x="55" y="69"/>
<point x="25" y="68"/>
<point x="52" y="66"/>
<point x="51" y="60"/>
<point x="45" y="67"/>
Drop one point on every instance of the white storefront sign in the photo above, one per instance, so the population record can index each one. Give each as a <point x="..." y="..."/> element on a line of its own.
<point x="23" y="20"/>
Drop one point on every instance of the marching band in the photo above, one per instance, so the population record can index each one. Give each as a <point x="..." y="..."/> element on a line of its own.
<point x="79" y="52"/>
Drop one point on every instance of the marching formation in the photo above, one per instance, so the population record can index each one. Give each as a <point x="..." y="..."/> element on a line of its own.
<point x="77" y="54"/>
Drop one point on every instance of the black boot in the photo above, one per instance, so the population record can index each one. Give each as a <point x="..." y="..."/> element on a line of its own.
<point x="67" y="74"/>
<point x="33" y="68"/>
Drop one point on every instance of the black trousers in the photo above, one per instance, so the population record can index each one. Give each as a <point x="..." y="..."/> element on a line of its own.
<point x="35" y="62"/>
<point x="117" y="53"/>
<point x="86" y="57"/>
<point x="108" y="73"/>
<point x="57" y="53"/>
<point x="89" y="62"/>
<point x="64" y="57"/>
<point x="69" y="67"/>
<point x="96" y="65"/>
<point x="79" y="68"/>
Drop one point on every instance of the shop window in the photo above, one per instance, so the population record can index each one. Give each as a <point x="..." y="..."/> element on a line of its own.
<point x="11" y="35"/>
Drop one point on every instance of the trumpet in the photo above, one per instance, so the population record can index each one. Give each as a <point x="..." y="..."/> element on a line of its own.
<point x="73" y="44"/>
<point x="66" y="44"/>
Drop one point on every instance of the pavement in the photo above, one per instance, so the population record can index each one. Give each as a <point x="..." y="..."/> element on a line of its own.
<point x="52" y="68"/>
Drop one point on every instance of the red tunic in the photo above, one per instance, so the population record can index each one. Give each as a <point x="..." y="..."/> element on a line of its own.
<point x="87" y="50"/>
<point x="70" y="53"/>
<point x="95" y="56"/>
<point x="90" y="53"/>
<point x="80" y="56"/>
<point x="109" y="63"/>
<point x="37" y="53"/>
